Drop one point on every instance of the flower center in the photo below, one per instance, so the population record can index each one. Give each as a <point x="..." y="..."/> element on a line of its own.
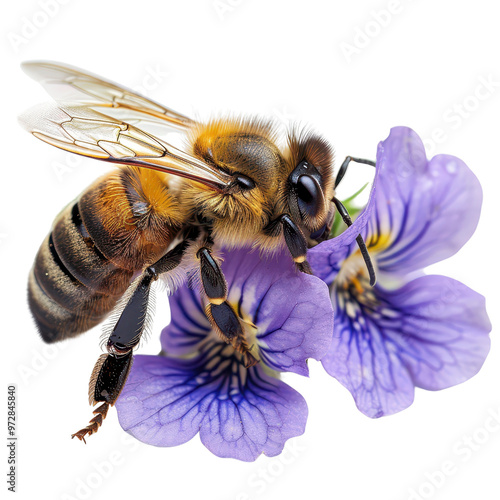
<point x="356" y="302"/>
<point x="351" y="289"/>
<point x="353" y="274"/>
<point x="221" y="364"/>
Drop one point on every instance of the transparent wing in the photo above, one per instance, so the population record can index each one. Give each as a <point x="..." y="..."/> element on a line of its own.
<point x="69" y="84"/>
<point x="87" y="132"/>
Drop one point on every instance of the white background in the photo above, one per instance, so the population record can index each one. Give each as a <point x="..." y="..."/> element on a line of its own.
<point x="283" y="59"/>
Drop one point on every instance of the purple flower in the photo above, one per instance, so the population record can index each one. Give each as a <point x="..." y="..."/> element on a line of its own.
<point x="410" y="329"/>
<point x="201" y="385"/>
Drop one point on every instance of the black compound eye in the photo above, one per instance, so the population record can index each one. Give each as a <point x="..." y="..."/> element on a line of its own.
<point x="305" y="184"/>
<point x="308" y="194"/>
<point x="307" y="189"/>
<point x="244" y="183"/>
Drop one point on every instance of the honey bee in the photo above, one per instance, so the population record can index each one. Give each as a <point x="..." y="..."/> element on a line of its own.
<point x="164" y="211"/>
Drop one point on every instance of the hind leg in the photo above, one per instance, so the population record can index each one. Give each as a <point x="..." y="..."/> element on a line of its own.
<point x="111" y="370"/>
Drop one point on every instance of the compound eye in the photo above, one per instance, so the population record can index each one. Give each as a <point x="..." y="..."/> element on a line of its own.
<point x="308" y="194"/>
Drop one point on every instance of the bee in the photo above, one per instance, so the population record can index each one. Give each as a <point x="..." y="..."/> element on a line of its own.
<point x="164" y="212"/>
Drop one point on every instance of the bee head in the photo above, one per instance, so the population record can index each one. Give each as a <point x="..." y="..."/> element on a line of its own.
<point x="310" y="184"/>
<point x="246" y="151"/>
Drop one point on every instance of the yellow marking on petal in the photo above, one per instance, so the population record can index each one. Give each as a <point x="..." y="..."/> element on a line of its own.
<point x="378" y="242"/>
<point x="353" y="269"/>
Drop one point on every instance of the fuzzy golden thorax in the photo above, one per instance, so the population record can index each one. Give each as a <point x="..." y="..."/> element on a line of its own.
<point x="237" y="147"/>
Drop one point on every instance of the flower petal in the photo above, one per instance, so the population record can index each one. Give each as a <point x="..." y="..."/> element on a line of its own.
<point x="188" y="325"/>
<point x="432" y="333"/>
<point x="293" y="315"/>
<point x="425" y="211"/>
<point x="443" y="335"/>
<point x="360" y="360"/>
<point x="159" y="404"/>
<point x="419" y="212"/>
<point x="239" y="413"/>
<point x="292" y="311"/>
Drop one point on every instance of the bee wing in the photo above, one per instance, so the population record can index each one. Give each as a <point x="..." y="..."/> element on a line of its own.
<point x="87" y="132"/>
<point x="69" y="84"/>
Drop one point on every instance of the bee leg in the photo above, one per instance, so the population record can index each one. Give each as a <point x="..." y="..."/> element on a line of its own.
<point x="296" y="243"/>
<point x="111" y="370"/>
<point x="108" y="377"/>
<point x="359" y="240"/>
<point x="219" y="311"/>
<point x="346" y="217"/>
<point x="345" y="164"/>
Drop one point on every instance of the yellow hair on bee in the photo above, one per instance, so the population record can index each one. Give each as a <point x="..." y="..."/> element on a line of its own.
<point x="149" y="196"/>
<point x="136" y="214"/>
<point x="240" y="147"/>
<point x="203" y="135"/>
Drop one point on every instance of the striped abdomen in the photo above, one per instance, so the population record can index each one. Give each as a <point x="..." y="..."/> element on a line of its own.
<point x="122" y="223"/>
